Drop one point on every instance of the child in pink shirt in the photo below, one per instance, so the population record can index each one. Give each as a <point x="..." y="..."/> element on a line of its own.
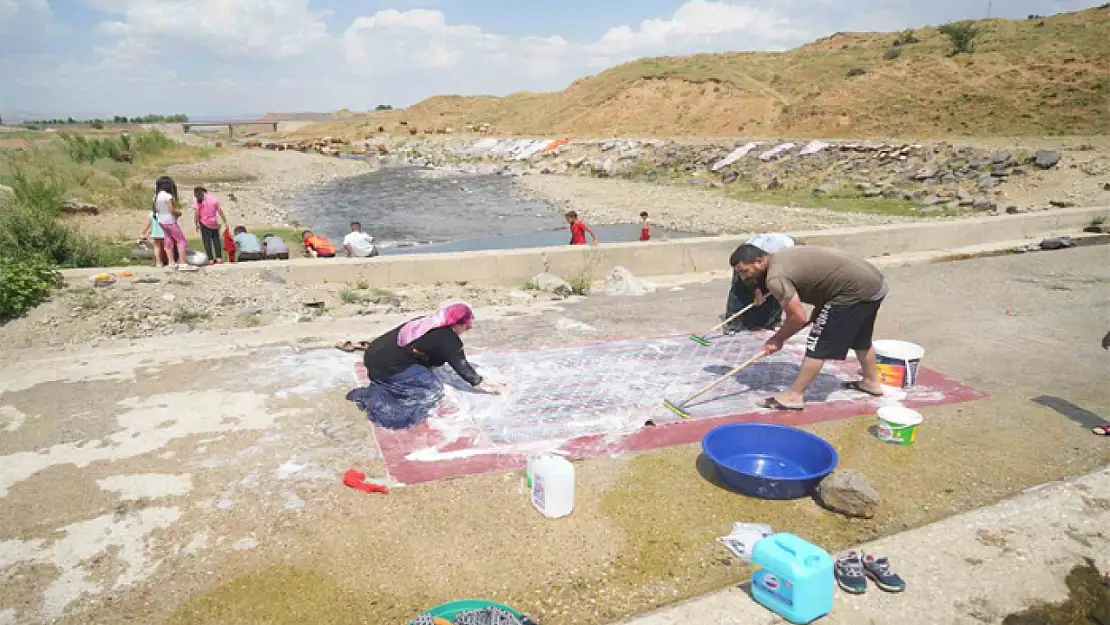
<point x="208" y="216"/>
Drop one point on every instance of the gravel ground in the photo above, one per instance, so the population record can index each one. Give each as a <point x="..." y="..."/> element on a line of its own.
<point x="182" y="302"/>
<point x="682" y="208"/>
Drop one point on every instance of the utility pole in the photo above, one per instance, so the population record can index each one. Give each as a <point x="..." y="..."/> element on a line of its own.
<point x="989" y="3"/>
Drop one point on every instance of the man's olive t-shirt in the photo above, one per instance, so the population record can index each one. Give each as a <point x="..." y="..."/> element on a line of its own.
<point x="820" y="276"/>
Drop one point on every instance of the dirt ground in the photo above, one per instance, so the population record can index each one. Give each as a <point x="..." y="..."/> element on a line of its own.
<point x="196" y="479"/>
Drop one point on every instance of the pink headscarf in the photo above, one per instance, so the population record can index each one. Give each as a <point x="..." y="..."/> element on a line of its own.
<point x="449" y="315"/>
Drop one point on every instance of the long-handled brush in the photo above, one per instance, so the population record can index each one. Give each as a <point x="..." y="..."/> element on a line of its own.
<point x="701" y="339"/>
<point x="678" y="408"/>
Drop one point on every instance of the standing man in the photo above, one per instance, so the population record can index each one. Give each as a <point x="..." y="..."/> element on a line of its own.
<point x="845" y="293"/>
<point x="743" y="292"/>
<point x="358" y="244"/>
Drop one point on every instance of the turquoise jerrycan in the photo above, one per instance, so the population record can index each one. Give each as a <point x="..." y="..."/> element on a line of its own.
<point x="792" y="577"/>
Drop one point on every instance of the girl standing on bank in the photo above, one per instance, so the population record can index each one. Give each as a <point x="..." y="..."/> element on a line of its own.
<point x="166" y="211"/>
<point x="208" y="217"/>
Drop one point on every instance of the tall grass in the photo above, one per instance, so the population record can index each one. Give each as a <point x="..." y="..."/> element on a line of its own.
<point x="85" y="149"/>
<point x="112" y="172"/>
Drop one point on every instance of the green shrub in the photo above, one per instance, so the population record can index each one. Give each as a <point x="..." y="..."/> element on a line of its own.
<point x="962" y="35"/>
<point x="856" y="71"/>
<point x="892" y="53"/>
<point x="27" y="231"/>
<point x="24" y="283"/>
<point x="907" y="37"/>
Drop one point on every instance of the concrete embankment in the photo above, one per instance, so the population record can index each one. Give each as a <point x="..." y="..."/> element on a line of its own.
<point x="515" y="267"/>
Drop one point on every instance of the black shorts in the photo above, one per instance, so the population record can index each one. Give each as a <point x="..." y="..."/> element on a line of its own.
<point x="837" y="329"/>
<point x="245" y="256"/>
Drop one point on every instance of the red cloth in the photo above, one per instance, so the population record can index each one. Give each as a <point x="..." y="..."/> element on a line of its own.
<point x="356" y="480"/>
<point x="578" y="233"/>
<point x="229" y="245"/>
<point x="645" y="233"/>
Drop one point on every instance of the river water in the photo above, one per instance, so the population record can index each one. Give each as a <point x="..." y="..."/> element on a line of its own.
<point x="409" y="210"/>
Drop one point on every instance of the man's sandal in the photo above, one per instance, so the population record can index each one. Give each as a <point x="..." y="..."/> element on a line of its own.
<point x="773" y="404"/>
<point x="857" y="385"/>
<point x="1102" y="430"/>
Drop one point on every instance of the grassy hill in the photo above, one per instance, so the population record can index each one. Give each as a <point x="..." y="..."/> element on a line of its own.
<point x="1039" y="76"/>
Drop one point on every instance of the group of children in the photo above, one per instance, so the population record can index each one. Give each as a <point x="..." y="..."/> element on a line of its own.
<point x="170" y="245"/>
<point x="163" y="228"/>
<point x="579" y="229"/>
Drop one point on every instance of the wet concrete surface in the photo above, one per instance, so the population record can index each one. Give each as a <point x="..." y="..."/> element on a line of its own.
<point x="265" y="533"/>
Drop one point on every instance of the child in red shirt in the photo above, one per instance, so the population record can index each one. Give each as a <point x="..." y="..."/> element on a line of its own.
<point x="645" y="226"/>
<point x="578" y="230"/>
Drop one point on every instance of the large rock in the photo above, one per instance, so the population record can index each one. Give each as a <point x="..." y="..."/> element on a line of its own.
<point x="1046" y="159"/>
<point x="849" y="494"/>
<point x="622" y="282"/>
<point x="551" y="283"/>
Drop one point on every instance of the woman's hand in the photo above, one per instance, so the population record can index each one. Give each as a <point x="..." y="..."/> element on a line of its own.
<point x="493" y="388"/>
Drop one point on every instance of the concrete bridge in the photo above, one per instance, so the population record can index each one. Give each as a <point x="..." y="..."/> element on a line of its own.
<point x="231" y="124"/>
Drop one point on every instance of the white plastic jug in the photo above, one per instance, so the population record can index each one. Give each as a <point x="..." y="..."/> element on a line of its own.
<point x="552" y="485"/>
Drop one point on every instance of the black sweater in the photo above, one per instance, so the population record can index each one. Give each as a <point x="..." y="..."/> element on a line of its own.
<point x="385" y="358"/>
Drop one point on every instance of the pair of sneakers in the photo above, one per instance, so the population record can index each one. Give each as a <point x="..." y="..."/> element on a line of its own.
<point x="852" y="570"/>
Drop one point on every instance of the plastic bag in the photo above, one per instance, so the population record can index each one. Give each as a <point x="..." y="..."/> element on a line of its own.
<point x="743" y="538"/>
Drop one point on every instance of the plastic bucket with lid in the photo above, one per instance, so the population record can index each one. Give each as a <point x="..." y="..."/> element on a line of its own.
<point x="898" y="424"/>
<point x="897" y="362"/>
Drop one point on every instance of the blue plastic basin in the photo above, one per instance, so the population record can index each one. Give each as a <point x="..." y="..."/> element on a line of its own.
<point x="769" y="461"/>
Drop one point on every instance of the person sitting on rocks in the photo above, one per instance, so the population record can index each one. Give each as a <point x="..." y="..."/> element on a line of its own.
<point x="273" y="247"/>
<point x="317" y="246"/>
<point x="403" y="387"/>
<point x="246" y="245"/>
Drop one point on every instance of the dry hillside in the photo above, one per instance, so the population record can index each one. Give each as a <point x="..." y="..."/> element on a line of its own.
<point x="1041" y="76"/>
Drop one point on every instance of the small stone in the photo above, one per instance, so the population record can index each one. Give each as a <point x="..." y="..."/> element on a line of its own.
<point x="1056" y="243"/>
<point x="989" y="182"/>
<point x="622" y="282"/>
<point x="1013" y="210"/>
<point x="169" y="297"/>
<point x="227" y="300"/>
<point x="983" y="204"/>
<point x="551" y="283"/>
<point x="269" y="276"/>
<point x="1062" y="203"/>
<point x="1046" y="159"/>
<point x="848" y="493"/>
<point x="181" y="328"/>
<point x="774" y="184"/>
<point x="999" y="158"/>
<point x="1106" y="187"/>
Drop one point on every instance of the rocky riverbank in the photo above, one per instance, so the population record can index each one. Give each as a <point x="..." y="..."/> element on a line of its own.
<point x="256" y="185"/>
<point x="929" y="177"/>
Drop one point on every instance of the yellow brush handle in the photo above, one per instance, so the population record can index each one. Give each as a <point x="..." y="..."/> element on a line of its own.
<point x="726" y="321"/>
<point x="724" y="377"/>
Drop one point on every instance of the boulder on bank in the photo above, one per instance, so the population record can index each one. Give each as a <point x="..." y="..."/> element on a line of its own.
<point x="623" y="282"/>
<point x="551" y="283"/>
<point x="848" y="493"/>
<point x="1046" y="159"/>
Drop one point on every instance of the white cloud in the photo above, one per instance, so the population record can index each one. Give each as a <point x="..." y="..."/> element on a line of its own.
<point x="397" y="42"/>
<point x="228" y="28"/>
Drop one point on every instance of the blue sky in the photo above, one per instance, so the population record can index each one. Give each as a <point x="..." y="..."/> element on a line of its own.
<point x="229" y="57"/>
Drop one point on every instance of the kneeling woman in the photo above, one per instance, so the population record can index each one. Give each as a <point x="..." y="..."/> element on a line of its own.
<point x="403" y="388"/>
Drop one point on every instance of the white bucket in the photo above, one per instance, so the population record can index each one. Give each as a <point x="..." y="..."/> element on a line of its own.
<point x="897" y="362"/>
<point x="898" y="424"/>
